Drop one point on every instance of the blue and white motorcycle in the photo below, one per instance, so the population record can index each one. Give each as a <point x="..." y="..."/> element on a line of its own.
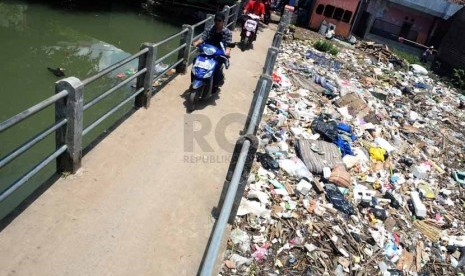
<point x="203" y="71"/>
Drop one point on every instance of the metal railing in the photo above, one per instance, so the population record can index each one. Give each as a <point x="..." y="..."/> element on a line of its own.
<point x="70" y="107"/>
<point x="244" y="154"/>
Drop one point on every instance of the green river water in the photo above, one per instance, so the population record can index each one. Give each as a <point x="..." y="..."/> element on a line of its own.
<point x="35" y="36"/>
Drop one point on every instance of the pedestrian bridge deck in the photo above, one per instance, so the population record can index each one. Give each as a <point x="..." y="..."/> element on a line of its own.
<point x="141" y="204"/>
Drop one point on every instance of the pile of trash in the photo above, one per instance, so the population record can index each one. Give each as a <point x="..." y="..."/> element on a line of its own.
<point x="359" y="172"/>
<point x="380" y="51"/>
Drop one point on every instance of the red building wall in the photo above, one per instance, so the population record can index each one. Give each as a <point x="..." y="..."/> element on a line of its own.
<point x="389" y="18"/>
<point x="342" y="28"/>
<point x="422" y="22"/>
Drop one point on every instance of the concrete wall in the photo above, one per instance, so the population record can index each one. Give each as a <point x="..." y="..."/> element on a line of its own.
<point x="452" y="49"/>
<point x="439" y="8"/>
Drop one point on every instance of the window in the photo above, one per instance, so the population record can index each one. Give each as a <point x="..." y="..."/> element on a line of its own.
<point x="329" y="10"/>
<point x="320" y="8"/>
<point x="338" y="14"/>
<point x="347" y="16"/>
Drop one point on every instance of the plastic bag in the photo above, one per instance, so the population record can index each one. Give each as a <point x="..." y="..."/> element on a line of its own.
<point x="267" y="161"/>
<point x="344" y="146"/>
<point x="239" y="261"/>
<point x="384" y="144"/>
<point x="160" y="67"/>
<point x="344" y="127"/>
<point x="242" y="239"/>
<point x="337" y="199"/>
<point x="327" y="130"/>
<point x="394" y="202"/>
<point x="253" y="207"/>
<point x="260" y="252"/>
<point x="379" y="213"/>
<point x="377" y="153"/>
<point x="295" y="167"/>
<point x="418" y="69"/>
<point x="427" y="190"/>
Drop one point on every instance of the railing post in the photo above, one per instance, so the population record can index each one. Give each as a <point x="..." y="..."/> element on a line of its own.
<point x="210" y="22"/>
<point x="281" y="27"/>
<point x="277" y="39"/>
<point x="287" y="17"/>
<point x="270" y="60"/>
<point x="258" y="104"/>
<point x="244" y="176"/>
<point x="71" y="108"/>
<point x="237" y="9"/>
<point x="226" y="11"/>
<point x="185" y="53"/>
<point x="254" y="144"/>
<point x="146" y="80"/>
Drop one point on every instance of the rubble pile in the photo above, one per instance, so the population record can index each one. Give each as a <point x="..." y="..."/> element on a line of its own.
<point x="358" y="172"/>
<point x="379" y="51"/>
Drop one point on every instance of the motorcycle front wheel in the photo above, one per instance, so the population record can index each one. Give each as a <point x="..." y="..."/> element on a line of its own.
<point x="193" y="97"/>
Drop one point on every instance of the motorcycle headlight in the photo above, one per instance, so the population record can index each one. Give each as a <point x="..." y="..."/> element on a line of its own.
<point x="209" y="51"/>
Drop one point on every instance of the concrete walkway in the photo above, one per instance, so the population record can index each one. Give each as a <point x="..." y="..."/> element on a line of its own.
<point x="141" y="204"/>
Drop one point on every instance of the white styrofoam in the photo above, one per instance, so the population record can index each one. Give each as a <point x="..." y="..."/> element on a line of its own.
<point x="420" y="209"/>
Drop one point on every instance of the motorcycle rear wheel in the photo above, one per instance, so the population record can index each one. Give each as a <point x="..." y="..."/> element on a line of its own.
<point x="267" y="19"/>
<point x="246" y="43"/>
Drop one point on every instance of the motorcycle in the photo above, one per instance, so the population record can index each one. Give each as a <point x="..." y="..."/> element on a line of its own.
<point x="203" y="71"/>
<point x="249" y="31"/>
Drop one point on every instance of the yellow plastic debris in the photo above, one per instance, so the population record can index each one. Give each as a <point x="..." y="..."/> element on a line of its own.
<point x="377" y="153"/>
<point x="436" y="167"/>
<point x="426" y="188"/>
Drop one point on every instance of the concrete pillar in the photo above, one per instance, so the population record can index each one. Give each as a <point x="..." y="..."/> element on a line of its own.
<point x="146" y="61"/>
<point x="71" y="108"/>
<point x="372" y="9"/>
<point x="433" y="31"/>
<point x="370" y="23"/>
<point x="184" y="54"/>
